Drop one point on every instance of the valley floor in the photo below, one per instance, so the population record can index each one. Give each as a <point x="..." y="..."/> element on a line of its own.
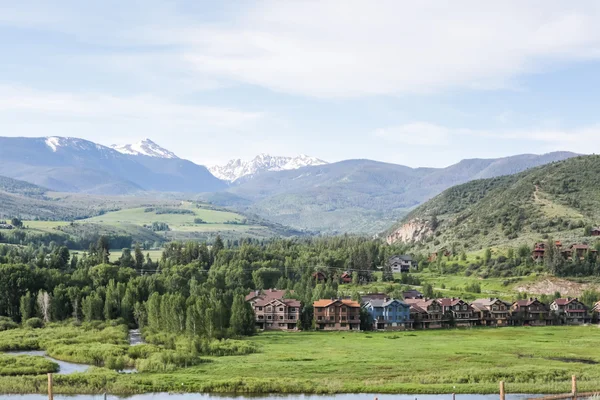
<point x="529" y="360"/>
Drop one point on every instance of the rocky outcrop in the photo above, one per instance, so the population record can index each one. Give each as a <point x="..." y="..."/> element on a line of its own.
<point x="412" y="231"/>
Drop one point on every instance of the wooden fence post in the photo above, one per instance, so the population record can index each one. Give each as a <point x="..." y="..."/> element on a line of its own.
<point x="50" y="394"/>
<point x="574" y="387"/>
<point x="502" y="394"/>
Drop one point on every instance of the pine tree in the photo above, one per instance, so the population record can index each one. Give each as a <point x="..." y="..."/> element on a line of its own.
<point x="139" y="257"/>
<point x="27" y="306"/>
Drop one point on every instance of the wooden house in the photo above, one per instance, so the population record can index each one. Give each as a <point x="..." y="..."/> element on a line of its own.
<point x="319" y="276"/>
<point x="570" y="311"/>
<point x="426" y="313"/>
<point x="277" y="314"/>
<point x="336" y="314"/>
<point x="402" y="263"/>
<point x="346" y="277"/>
<point x="530" y="312"/>
<point x="492" y="311"/>
<point x="458" y="312"/>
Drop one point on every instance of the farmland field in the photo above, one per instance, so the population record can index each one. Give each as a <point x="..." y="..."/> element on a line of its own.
<point x="529" y="360"/>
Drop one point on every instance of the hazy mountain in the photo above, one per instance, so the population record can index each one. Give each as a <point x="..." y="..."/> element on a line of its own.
<point x="555" y="200"/>
<point x="363" y="196"/>
<point x="77" y="165"/>
<point x="145" y="147"/>
<point x="236" y="169"/>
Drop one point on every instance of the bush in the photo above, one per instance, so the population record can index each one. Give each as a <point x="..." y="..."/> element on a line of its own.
<point x="7" y="323"/>
<point x="34" y="323"/>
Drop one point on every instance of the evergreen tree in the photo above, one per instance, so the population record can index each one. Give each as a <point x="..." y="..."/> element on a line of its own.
<point x="126" y="260"/>
<point x="139" y="257"/>
<point x="27" y="306"/>
<point x="242" y="317"/>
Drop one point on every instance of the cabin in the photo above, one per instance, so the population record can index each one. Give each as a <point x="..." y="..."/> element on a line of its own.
<point x="277" y="314"/>
<point x="346" y="277"/>
<point x="492" y="311"/>
<point x="458" y="312"/>
<point x="319" y="276"/>
<point x="595" y="231"/>
<point x="425" y="313"/>
<point x="402" y="263"/>
<point x="570" y="311"/>
<point x="577" y="250"/>
<point x="336" y="314"/>
<point x="388" y="314"/>
<point x="373" y="296"/>
<point x="538" y="251"/>
<point x="530" y="312"/>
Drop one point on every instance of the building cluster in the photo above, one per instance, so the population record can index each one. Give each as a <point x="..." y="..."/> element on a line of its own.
<point x="414" y="311"/>
<point x="574" y="251"/>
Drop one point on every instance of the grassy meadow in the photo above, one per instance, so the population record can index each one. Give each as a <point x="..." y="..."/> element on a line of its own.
<point x="529" y="360"/>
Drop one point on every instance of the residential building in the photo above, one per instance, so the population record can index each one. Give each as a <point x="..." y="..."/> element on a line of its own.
<point x="458" y="312"/>
<point x="402" y="263"/>
<point x="577" y="250"/>
<point x="319" y="276"/>
<point x="425" y="313"/>
<point x="492" y="311"/>
<point x="268" y="294"/>
<point x="281" y="314"/>
<point x="596" y="231"/>
<point x="373" y="296"/>
<point x="388" y="313"/>
<point x="538" y="251"/>
<point x="530" y="312"/>
<point x="337" y="314"/>
<point x="570" y="311"/>
<point x="346" y="277"/>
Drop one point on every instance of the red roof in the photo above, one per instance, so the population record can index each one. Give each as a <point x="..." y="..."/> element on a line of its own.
<point x="564" y="302"/>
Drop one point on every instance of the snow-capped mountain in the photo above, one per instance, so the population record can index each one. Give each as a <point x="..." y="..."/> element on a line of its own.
<point x="145" y="147"/>
<point x="236" y="169"/>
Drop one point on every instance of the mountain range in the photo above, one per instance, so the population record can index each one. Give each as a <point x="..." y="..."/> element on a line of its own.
<point x="236" y="169"/>
<point x="555" y="200"/>
<point x="357" y="196"/>
<point x="75" y="165"/>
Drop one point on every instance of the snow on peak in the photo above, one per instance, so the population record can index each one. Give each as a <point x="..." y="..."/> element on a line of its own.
<point x="145" y="147"/>
<point x="236" y="169"/>
<point x="53" y="143"/>
<point x="56" y="142"/>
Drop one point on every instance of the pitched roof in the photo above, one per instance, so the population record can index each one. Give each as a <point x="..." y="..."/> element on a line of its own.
<point x="384" y="302"/>
<point x="488" y="302"/>
<point x="403" y="257"/>
<point x="412" y="294"/>
<point x="287" y="302"/>
<point x="564" y="302"/>
<point x="447" y="302"/>
<point x="268" y="294"/>
<point x="328" y="302"/>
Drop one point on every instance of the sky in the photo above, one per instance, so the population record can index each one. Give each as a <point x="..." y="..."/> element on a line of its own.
<point x="424" y="83"/>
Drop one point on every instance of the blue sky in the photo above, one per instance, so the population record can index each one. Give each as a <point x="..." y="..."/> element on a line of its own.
<point x="414" y="83"/>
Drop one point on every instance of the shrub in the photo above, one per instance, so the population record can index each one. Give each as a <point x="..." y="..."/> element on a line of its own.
<point x="7" y="323"/>
<point x="34" y="323"/>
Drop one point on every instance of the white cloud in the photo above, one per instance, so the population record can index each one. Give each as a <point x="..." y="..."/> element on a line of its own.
<point x="582" y="139"/>
<point x="416" y="133"/>
<point x="340" y="48"/>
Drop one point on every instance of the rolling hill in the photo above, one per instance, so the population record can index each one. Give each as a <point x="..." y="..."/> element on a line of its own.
<point x="556" y="200"/>
<point x="361" y="196"/>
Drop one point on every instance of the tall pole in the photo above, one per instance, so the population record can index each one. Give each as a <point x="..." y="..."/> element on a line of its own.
<point x="50" y="394"/>
<point x="502" y="394"/>
<point x="574" y="387"/>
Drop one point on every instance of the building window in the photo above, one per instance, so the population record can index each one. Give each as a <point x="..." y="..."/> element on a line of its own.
<point x="319" y="318"/>
<point x="331" y="318"/>
<point x="280" y="308"/>
<point x="343" y="317"/>
<point x="269" y="309"/>
<point x="261" y="317"/>
<point x="259" y="308"/>
<point x="343" y="325"/>
<point x="292" y="317"/>
<point x="343" y="309"/>
<point x="292" y="309"/>
<point x="281" y="317"/>
<point x="269" y="317"/>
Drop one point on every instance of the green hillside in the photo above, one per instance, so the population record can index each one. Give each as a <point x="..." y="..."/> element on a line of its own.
<point x="558" y="200"/>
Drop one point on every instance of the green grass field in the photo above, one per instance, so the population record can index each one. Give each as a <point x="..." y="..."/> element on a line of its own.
<point x="154" y="254"/>
<point x="529" y="360"/>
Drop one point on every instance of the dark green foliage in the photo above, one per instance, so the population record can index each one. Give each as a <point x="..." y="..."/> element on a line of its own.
<point x="33" y="323"/>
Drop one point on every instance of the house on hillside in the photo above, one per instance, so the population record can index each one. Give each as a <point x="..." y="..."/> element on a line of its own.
<point x="492" y="311"/>
<point x="319" y="276"/>
<point x="578" y="250"/>
<point x="6" y="226"/>
<point x="336" y="314"/>
<point x="530" y="312"/>
<point x="373" y="296"/>
<point x="458" y="312"/>
<point x="570" y="311"/>
<point x="402" y="263"/>
<point x="539" y="250"/>
<point x="595" y="231"/>
<point x="346" y="277"/>
<point x="277" y="314"/>
<point x="388" y="314"/>
<point x="425" y="313"/>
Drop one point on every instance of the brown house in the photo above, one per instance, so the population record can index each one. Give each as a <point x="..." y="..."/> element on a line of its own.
<point x="337" y="314"/>
<point x="577" y="250"/>
<point x="319" y="276"/>
<point x="530" y="312"/>
<point x="596" y="231"/>
<point x="268" y="294"/>
<point x="570" y="311"/>
<point x="458" y="312"/>
<point x="492" y="311"/>
<point x="538" y="251"/>
<point x="346" y="277"/>
<point x="425" y="313"/>
<point x="281" y="314"/>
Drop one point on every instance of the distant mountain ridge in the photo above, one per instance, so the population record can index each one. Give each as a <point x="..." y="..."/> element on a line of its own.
<point x="237" y="169"/>
<point x="76" y="165"/>
<point x="145" y="147"/>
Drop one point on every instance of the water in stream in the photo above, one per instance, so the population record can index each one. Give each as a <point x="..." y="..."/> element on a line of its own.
<point x="65" y="367"/>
